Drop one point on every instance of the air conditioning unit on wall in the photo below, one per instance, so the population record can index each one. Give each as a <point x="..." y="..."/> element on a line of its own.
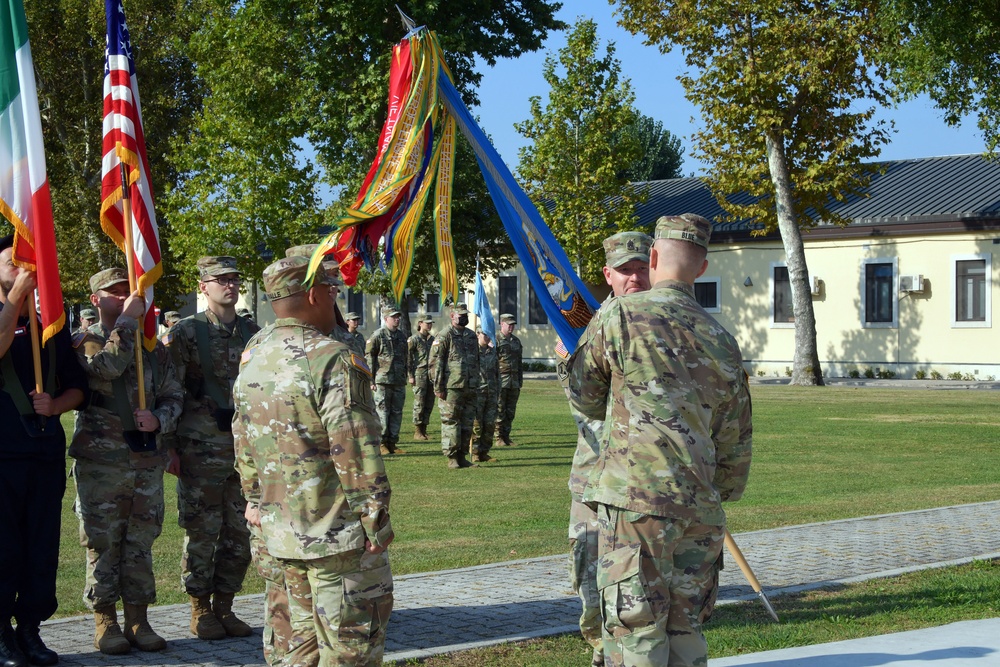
<point x="911" y="283"/>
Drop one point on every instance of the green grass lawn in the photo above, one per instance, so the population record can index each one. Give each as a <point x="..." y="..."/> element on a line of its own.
<point x="819" y="454"/>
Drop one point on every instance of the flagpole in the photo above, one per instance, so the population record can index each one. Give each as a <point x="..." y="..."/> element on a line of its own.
<point x="36" y="351"/>
<point x="130" y="261"/>
<point x="475" y="316"/>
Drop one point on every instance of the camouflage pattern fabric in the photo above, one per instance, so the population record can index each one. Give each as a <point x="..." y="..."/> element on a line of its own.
<point x="455" y="373"/>
<point x="389" y="400"/>
<point x="418" y="364"/>
<point x="277" y="624"/>
<point x="386" y="354"/>
<point x="339" y="608"/>
<point x="583" y="541"/>
<point x="657" y="578"/>
<point x="356" y="341"/>
<point x="120" y="509"/>
<point x="486" y="402"/>
<point x="509" y="352"/>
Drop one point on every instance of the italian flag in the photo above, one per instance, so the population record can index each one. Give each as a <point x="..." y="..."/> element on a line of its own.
<point x="24" y="188"/>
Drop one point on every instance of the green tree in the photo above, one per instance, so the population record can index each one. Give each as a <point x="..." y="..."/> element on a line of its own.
<point x="949" y="51"/>
<point x="787" y="92"/>
<point x="579" y="140"/>
<point x="661" y="155"/>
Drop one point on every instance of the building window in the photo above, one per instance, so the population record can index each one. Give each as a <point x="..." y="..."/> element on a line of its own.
<point x="972" y="290"/>
<point x="432" y="302"/>
<point x="706" y="292"/>
<point x="781" y="297"/>
<point x="536" y="313"/>
<point x="356" y="304"/>
<point x="879" y="301"/>
<point x="507" y="301"/>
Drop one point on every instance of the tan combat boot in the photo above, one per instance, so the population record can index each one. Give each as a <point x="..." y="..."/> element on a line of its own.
<point x="222" y="605"/>
<point x="108" y="637"/>
<point x="204" y="624"/>
<point x="420" y="432"/>
<point x="137" y="630"/>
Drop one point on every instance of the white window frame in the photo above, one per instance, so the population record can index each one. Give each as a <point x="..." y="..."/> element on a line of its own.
<point x="988" y="299"/>
<point x="894" y="324"/>
<point x="718" y="293"/>
<point x="770" y="296"/>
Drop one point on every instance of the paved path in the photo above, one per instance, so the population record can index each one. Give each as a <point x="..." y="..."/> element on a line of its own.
<point x="447" y="611"/>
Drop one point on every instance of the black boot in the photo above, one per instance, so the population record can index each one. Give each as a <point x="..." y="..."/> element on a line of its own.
<point x="10" y="654"/>
<point x="30" y="643"/>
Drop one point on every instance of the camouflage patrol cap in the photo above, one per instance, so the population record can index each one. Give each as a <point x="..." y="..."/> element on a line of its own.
<point x="286" y="276"/>
<point x="625" y="247"/>
<point x="426" y="319"/>
<point x="460" y="308"/>
<point x="393" y="312"/>
<point x="352" y="316"/>
<point x="88" y="314"/>
<point x="171" y="316"/>
<point x="217" y="266"/>
<point x="685" y="227"/>
<point x="507" y="317"/>
<point x="331" y="264"/>
<point x="106" y="278"/>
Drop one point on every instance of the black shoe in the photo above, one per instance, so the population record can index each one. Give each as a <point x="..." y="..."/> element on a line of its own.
<point x="30" y="643"/>
<point x="10" y="654"/>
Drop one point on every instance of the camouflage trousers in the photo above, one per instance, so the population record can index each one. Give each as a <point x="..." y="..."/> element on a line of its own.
<point x="583" y="540"/>
<point x="656" y="578"/>
<point x="423" y="399"/>
<point x="485" y="424"/>
<point x="458" y="412"/>
<point x="389" y="401"/>
<point x="339" y="608"/>
<point x="277" y="625"/>
<point x="121" y="514"/>
<point x="210" y="507"/>
<point x="506" y="409"/>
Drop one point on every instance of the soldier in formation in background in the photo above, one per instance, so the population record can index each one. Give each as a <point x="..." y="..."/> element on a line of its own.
<point x="509" y="352"/>
<point x="455" y="375"/>
<point x="386" y="353"/>
<point x="356" y="341"/>
<point x="486" y="401"/>
<point x="418" y="364"/>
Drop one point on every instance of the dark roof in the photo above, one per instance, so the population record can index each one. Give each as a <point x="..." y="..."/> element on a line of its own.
<point x="936" y="189"/>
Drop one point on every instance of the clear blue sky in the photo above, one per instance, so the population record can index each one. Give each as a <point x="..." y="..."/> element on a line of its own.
<point x="920" y="128"/>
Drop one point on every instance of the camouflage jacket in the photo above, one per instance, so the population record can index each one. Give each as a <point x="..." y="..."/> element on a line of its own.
<point x="509" y="357"/>
<point x="107" y="356"/>
<point x="386" y="355"/>
<point x="200" y="421"/>
<point x="588" y="434"/>
<point x="356" y="341"/>
<point x="454" y="360"/>
<point x="489" y="377"/>
<point x="678" y="432"/>
<point x="419" y="352"/>
<point x="307" y="443"/>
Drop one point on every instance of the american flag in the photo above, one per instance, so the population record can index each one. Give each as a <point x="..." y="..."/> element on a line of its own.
<point x="124" y="143"/>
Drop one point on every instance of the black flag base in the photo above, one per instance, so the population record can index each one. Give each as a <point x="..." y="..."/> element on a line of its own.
<point x="140" y="441"/>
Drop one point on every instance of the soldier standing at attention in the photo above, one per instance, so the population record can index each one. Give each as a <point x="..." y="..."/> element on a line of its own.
<point x="120" y="458"/>
<point x="88" y="317"/>
<point x="680" y="445"/>
<point x="486" y="401"/>
<point x="32" y="466"/>
<point x="418" y="363"/>
<point x="511" y="377"/>
<point x="454" y="365"/>
<point x="626" y="270"/>
<point x="356" y="341"/>
<point x="206" y="349"/>
<point x="387" y="360"/>
<point x="317" y="487"/>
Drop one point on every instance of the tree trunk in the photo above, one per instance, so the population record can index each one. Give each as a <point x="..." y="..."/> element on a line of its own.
<point x="805" y="367"/>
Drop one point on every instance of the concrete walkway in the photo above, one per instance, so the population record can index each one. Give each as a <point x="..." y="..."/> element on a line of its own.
<point x="454" y="610"/>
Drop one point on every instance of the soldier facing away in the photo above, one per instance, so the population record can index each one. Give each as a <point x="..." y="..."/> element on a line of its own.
<point x="455" y="375"/>
<point x="120" y="457"/>
<point x="678" y="446"/>
<point x="206" y="349"/>
<point x="386" y="354"/>
<point x="418" y="364"/>
<point x="317" y="486"/>
<point x="509" y="352"/>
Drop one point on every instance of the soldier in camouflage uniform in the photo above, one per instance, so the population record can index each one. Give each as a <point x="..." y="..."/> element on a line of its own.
<point x="486" y="401"/>
<point x="626" y="270"/>
<point x="356" y="341"/>
<point x="509" y="353"/>
<point x="88" y="317"/>
<point x="120" y="458"/>
<point x="418" y="364"/>
<point x="678" y="445"/>
<point x="206" y="349"/>
<point x="454" y="365"/>
<point x="307" y="451"/>
<point x="332" y="267"/>
<point x="386" y="355"/>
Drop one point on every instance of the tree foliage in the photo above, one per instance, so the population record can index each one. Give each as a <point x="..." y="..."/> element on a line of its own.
<point x="787" y="92"/>
<point x="661" y="155"/>
<point x="580" y="140"/>
<point x="949" y="51"/>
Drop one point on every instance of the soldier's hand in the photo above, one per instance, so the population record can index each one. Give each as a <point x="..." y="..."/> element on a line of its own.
<point x="146" y="421"/>
<point x="173" y="462"/>
<point x="24" y="284"/>
<point x="42" y="403"/>
<point x="252" y="515"/>
<point x="372" y="549"/>
<point x="413" y="381"/>
<point x="134" y="306"/>
<point x="440" y="395"/>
